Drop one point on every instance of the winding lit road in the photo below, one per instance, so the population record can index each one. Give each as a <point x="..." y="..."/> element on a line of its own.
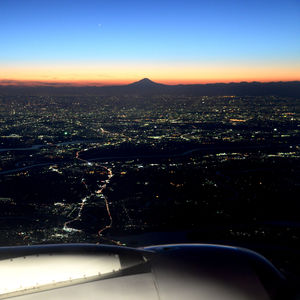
<point x="84" y="200"/>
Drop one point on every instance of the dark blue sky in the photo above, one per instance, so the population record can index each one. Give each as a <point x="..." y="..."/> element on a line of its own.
<point x="170" y="32"/>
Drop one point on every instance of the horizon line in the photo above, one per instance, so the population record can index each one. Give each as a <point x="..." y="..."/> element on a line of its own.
<point x="83" y="83"/>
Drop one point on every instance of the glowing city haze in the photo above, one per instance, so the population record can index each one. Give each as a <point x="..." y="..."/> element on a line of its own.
<point x="113" y="42"/>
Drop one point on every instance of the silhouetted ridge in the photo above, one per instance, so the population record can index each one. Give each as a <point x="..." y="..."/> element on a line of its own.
<point x="147" y="87"/>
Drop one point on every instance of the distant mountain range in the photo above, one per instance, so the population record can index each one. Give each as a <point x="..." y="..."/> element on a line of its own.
<point x="146" y="87"/>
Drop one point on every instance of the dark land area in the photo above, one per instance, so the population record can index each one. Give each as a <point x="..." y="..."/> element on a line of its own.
<point x="150" y="88"/>
<point x="141" y="168"/>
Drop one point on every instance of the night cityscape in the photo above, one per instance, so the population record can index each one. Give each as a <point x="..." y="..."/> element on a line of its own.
<point x="134" y="169"/>
<point x="150" y="150"/>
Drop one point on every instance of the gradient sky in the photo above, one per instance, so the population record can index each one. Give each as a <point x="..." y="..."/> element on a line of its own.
<point x="110" y="41"/>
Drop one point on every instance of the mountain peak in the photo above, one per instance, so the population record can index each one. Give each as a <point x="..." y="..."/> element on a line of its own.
<point x="145" y="82"/>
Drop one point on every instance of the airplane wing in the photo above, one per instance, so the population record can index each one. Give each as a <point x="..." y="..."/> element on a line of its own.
<point x="86" y="271"/>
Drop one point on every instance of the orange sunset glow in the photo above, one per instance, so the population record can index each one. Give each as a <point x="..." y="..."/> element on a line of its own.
<point x="115" y="74"/>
